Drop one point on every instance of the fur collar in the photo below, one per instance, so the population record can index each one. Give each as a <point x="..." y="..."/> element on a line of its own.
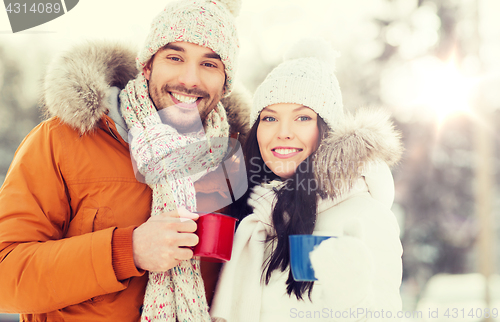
<point x="76" y="83"/>
<point x="363" y="139"/>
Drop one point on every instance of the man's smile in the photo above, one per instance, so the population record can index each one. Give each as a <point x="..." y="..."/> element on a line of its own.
<point x="187" y="102"/>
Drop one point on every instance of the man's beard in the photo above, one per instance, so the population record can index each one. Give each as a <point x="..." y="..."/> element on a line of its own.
<point x="164" y="104"/>
<point x="166" y="89"/>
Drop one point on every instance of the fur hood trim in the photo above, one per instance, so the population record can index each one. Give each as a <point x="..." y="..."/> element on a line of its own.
<point x="77" y="81"/>
<point x="345" y="153"/>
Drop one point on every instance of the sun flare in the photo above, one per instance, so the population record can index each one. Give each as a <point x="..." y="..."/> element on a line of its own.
<point x="444" y="89"/>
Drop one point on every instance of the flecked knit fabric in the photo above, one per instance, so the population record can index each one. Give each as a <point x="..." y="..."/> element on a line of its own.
<point x="305" y="77"/>
<point x="208" y="23"/>
<point x="171" y="162"/>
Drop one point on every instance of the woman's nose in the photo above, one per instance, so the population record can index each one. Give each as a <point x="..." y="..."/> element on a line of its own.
<point x="285" y="131"/>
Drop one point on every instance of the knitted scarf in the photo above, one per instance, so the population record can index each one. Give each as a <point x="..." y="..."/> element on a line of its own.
<point x="170" y="163"/>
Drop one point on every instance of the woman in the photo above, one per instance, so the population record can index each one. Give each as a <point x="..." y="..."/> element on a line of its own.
<point x="314" y="170"/>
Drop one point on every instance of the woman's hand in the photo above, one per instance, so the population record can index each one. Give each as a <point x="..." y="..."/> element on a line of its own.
<point x="344" y="267"/>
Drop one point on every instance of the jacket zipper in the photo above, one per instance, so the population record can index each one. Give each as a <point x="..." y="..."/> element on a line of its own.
<point x="111" y="131"/>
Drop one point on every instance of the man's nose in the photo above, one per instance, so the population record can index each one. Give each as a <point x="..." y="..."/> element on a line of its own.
<point x="189" y="75"/>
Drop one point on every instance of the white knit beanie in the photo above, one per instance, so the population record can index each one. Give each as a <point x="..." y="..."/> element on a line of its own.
<point x="305" y="77"/>
<point x="208" y="23"/>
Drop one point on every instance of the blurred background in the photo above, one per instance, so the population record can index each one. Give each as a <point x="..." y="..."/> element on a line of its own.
<point x="435" y="64"/>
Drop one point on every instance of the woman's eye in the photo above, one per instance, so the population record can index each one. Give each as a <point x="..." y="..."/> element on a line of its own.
<point x="268" y="119"/>
<point x="304" y="118"/>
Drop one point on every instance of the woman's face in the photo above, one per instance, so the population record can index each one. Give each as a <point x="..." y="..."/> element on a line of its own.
<point x="287" y="134"/>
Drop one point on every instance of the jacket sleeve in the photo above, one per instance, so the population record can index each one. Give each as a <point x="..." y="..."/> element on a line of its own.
<point x="40" y="269"/>
<point x="361" y="270"/>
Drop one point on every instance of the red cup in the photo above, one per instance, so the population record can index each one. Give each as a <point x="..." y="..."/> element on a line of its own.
<point x="215" y="232"/>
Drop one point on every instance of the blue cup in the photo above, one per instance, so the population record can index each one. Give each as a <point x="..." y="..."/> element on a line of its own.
<point x="300" y="263"/>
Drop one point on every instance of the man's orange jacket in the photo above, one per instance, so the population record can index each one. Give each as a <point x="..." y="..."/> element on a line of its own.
<point x="70" y="200"/>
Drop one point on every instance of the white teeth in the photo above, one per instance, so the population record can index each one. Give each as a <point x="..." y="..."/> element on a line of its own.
<point x="286" y="151"/>
<point x="184" y="99"/>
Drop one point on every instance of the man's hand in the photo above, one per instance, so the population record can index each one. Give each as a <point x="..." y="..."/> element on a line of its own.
<point x="161" y="242"/>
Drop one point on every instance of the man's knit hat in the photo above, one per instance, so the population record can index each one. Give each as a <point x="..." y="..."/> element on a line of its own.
<point x="305" y="77"/>
<point x="208" y="23"/>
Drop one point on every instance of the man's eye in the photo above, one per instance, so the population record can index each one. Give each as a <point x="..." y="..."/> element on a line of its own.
<point x="268" y="119"/>
<point x="174" y="58"/>
<point x="209" y="65"/>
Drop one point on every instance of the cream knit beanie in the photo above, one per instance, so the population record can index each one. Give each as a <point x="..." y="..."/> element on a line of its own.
<point x="305" y="77"/>
<point x="208" y="23"/>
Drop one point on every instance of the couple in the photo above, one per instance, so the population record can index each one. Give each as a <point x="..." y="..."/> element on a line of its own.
<point x="97" y="212"/>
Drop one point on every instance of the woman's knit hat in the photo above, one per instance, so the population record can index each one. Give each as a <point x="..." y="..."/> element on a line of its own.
<point x="208" y="23"/>
<point x="305" y="77"/>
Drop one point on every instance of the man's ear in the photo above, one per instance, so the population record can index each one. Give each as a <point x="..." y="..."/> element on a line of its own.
<point x="147" y="69"/>
<point x="224" y="88"/>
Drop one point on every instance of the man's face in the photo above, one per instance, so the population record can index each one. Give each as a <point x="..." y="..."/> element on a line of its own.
<point x="186" y="81"/>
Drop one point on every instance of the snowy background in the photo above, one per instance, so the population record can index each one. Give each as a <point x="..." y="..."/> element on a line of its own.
<point x="434" y="63"/>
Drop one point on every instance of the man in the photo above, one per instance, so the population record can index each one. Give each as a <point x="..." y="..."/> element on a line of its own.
<point x="76" y="231"/>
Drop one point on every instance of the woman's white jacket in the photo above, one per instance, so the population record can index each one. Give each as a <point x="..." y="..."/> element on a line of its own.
<point x="359" y="271"/>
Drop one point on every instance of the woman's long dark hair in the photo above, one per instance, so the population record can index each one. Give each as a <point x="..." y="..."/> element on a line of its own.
<point x="295" y="209"/>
